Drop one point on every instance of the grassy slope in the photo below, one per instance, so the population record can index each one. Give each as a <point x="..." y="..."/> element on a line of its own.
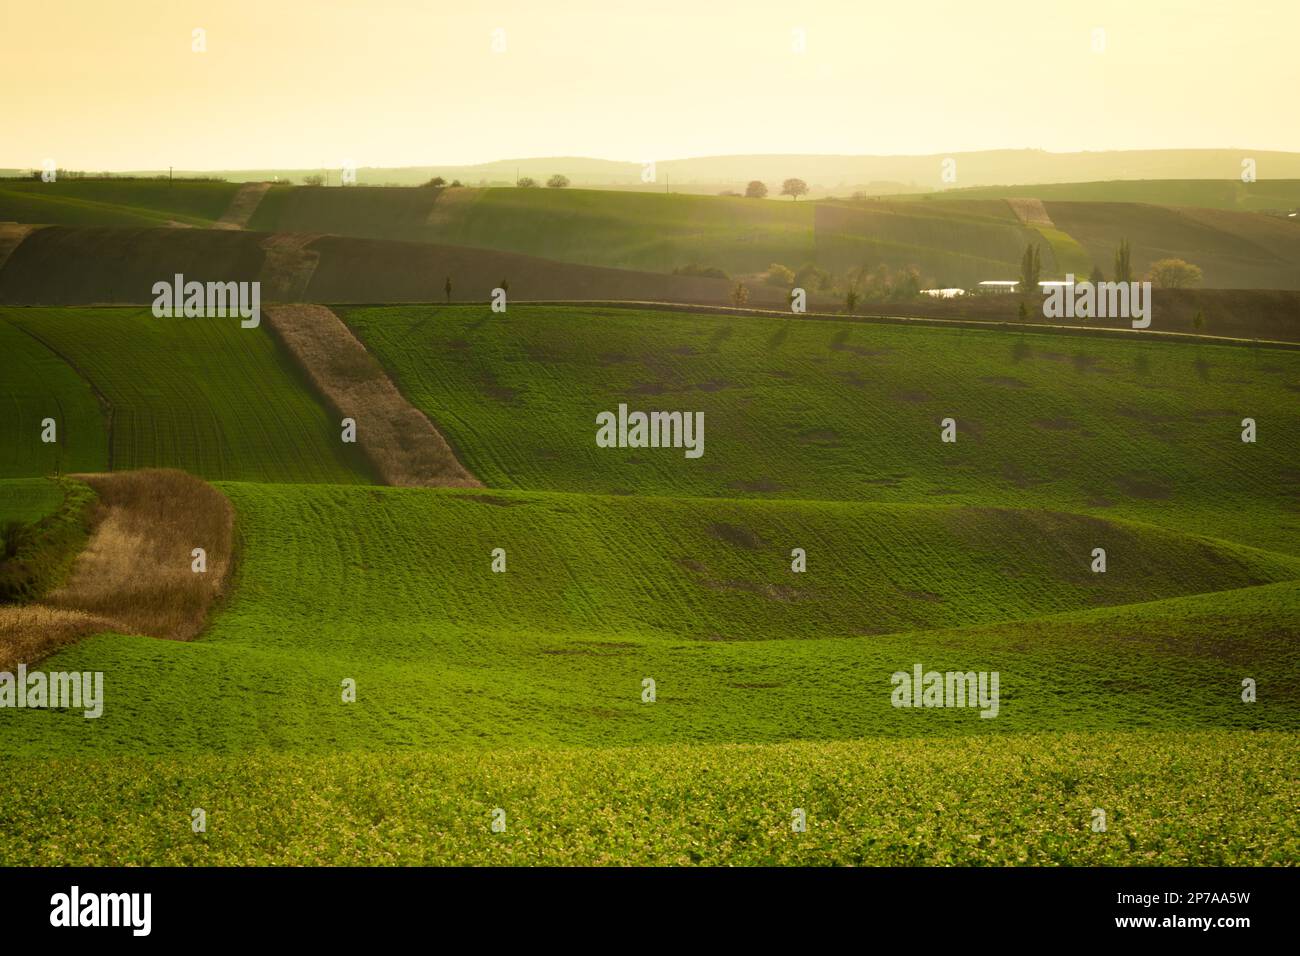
<point x="601" y="593"/>
<point x="114" y="202"/>
<point x="200" y="394"/>
<point x="697" y="594"/>
<point x="1203" y="193"/>
<point x="953" y="244"/>
<point x="959" y="237"/>
<point x="593" y="227"/>
<point x="36" y="384"/>
<point x="822" y="409"/>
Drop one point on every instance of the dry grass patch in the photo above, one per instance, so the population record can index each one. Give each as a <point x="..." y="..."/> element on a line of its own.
<point x="135" y="575"/>
<point x="402" y="445"/>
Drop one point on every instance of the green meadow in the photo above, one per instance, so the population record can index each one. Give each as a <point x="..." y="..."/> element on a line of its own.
<point x="526" y="689"/>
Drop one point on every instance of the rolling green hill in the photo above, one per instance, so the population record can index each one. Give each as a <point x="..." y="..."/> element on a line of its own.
<point x="114" y="202"/>
<point x="523" y="689"/>
<point x="959" y="237"/>
<point x="393" y="588"/>
<point x="200" y="394"/>
<point x="827" y="409"/>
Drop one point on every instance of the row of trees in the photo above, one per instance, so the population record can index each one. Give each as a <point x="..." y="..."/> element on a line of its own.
<point x="1163" y="274"/>
<point x="558" y="181"/>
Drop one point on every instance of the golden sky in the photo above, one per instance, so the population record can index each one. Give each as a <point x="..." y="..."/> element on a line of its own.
<point x="283" y="84"/>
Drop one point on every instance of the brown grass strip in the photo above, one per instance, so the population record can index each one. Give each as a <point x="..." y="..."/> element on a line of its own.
<point x="135" y="575"/>
<point x="242" y="205"/>
<point x="287" y="266"/>
<point x="401" y="443"/>
<point x="1031" y="212"/>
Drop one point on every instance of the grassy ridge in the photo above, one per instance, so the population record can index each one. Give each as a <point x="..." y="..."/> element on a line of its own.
<point x="1170" y="799"/>
<point x="823" y="409"/>
<point x="204" y="395"/>
<point x="601" y="593"/>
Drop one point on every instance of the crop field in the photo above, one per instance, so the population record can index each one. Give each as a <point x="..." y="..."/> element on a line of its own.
<point x="1204" y="798"/>
<point x="37" y="385"/>
<point x="114" y="202"/>
<point x="447" y="654"/>
<point x="522" y="686"/>
<point x="833" y="410"/>
<point x="1236" y="233"/>
<point x="204" y="395"/>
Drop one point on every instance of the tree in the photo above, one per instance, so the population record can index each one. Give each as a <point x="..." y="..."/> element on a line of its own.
<point x="811" y="277"/>
<point x="779" y="275"/>
<point x="794" y="188"/>
<point x="755" y="190"/>
<point x="1031" y="268"/>
<point x="740" y="295"/>
<point x="436" y="182"/>
<point x="851" y="300"/>
<point x="1096" y="275"/>
<point x="558" y="181"/>
<point x="1123" y="263"/>
<point x="456" y="182"/>
<point x="315" y="179"/>
<point x="1174" y="274"/>
<point x="527" y="183"/>
<point x="1022" y="313"/>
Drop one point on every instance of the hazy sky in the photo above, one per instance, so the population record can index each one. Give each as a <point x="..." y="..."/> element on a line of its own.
<point x="99" y="85"/>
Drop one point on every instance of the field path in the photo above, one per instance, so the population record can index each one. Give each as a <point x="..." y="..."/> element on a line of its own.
<point x="242" y="206"/>
<point x="1031" y="212"/>
<point x="288" y="265"/>
<point x="402" y="444"/>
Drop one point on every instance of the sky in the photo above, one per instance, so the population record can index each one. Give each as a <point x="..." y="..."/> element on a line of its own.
<point x="288" y="84"/>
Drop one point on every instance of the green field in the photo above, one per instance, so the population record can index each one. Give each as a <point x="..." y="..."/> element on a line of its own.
<point x="696" y="594"/>
<point x="1173" y="799"/>
<point x="825" y="409"/>
<point x="523" y="689"/>
<point x="204" y="395"/>
<point x="114" y="202"/>
<point x="959" y="237"/>
<point x="1260" y="196"/>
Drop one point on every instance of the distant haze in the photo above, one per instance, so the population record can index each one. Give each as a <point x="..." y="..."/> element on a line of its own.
<point x="392" y="83"/>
